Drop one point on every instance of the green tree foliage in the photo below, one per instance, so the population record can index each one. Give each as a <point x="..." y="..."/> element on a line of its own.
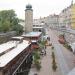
<point x="53" y="55"/>
<point x="36" y="59"/>
<point x="9" y="22"/>
<point x="18" y="28"/>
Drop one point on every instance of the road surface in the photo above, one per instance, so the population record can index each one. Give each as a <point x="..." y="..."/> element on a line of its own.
<point x="58" y="49"/>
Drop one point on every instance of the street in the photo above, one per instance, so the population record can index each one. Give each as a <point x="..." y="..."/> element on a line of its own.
<point x="60" y="53"/>
<point x="64" y="58"/>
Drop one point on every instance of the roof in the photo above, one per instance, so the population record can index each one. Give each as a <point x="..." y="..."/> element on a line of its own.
<point x="34" y="41"/>
<point x="29" y="6"/>
<point x="33" y="34"/>
<point x="6" y="58"/>
<point x="19" y="37"/>
<point x="72" y="72"/>
<point x="6" y="46"/>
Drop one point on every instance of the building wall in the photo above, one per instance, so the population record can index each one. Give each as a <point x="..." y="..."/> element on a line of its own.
<point x="51" y="20"/>
<point x="38" y="25"/>
<point x="67" y="17"/>
<point x="61" y="19"/>
<point x="73" y="16"/>
<point x="28" y="21"/>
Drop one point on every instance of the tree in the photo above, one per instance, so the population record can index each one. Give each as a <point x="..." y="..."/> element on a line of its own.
<point x="6" y="26"/>
<point x="9" y="22"/>
<point x="18" y="28"/>
<point x="36" y="58"/>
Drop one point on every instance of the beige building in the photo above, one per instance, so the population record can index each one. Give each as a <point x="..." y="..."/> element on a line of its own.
<point x="61" y="19"/>
<point x="67" y="20"/>
<point x="28" y="19"/>
<point x="67" y="17"/>
<point x="73" y="16"/>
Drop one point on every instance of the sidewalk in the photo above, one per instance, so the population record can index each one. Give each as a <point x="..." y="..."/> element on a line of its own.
<point x="69" y="56"/>
<point x="46" y="64"/>
<point x="65" y="59"/>
<point x="58" y="50"/>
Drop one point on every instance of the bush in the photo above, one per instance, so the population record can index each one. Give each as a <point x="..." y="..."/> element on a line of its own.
<point x="54" y="66"/>
<point x="53" y="56"/>
<point x="36" y="59"/>
<point x="42" y="44"/>
<point x="37" y="64"/>
<point x="52" y="47"/>
<point x="68" y="46"/>
<point x="36" y="55"/>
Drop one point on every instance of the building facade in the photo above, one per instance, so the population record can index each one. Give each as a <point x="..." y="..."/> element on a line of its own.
<point x="49" y="21"/>
<point x="53" y="20"/>
<point x="67" y="17"/>
<point x="73" y="16"/>
<point x="67" y="21"/>
<point x="15" y="57"/>
<point x="38" y="25"/>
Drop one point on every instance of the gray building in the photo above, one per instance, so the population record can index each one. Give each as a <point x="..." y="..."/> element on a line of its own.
<point x="38" y="25"/>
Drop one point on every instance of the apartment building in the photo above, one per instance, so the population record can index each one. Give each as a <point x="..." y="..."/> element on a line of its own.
<point x="38" y="25"/>
<point x="73" y="16"/>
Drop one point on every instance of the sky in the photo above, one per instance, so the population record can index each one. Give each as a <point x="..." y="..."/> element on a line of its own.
<point x="41" y="8"/>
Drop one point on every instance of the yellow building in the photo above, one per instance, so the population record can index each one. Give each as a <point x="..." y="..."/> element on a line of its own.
<point x="73" y="16"/>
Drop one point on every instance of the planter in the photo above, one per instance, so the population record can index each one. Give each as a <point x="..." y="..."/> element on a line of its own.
<point x="38" y="65"/>
<point x="36" y="60"/>
<point x="54" y="66"/>
<point x="52" y="47"/>
<point x="53" y="56"/>
<point x="67" y="46"/>
<point x="50" y="44"/>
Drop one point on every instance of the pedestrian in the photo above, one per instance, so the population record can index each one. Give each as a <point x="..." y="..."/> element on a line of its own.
<point x="45" y="46"/>
<point x="49" y="38"/>
<point x="45" y="52"/>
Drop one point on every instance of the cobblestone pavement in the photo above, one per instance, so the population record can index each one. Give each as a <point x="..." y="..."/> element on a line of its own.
<point x="46" y="64"/>
<point x="58" y="50"/>
<point x="69" y="56"/>
<point x="65" y="59"/>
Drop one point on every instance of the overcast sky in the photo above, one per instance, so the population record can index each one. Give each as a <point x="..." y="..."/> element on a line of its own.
<point x="41" y="8"/>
